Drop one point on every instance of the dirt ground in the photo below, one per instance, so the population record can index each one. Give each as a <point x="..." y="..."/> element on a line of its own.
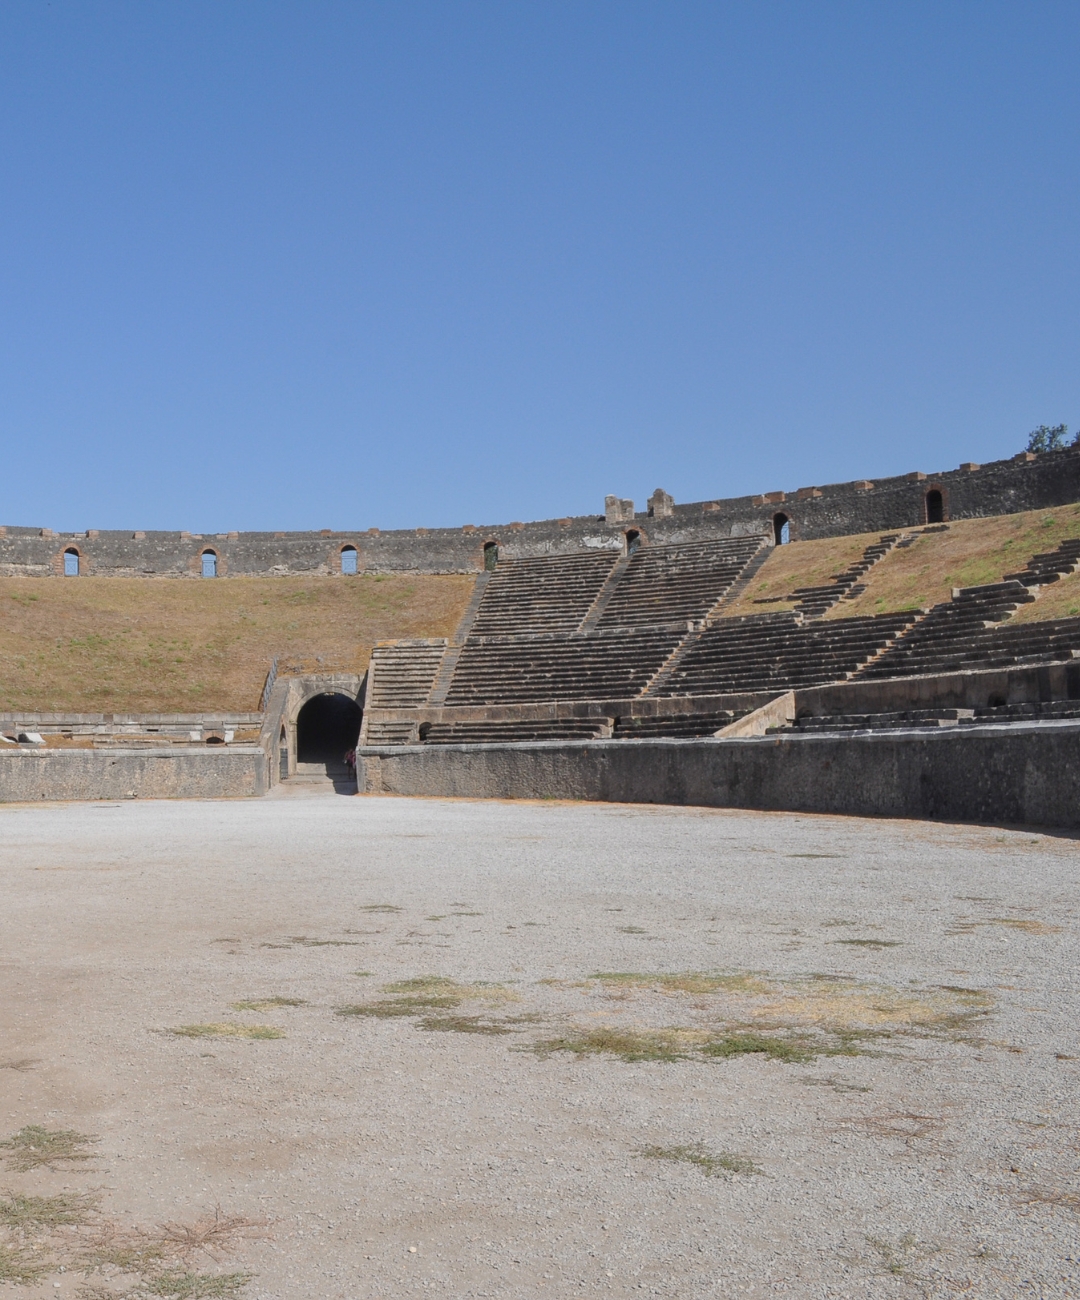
<point x="356" y="1048"/>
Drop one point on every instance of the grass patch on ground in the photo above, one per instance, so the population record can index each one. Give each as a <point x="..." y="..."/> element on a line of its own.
<point x="627" y="1043"/>
<point x="34" y="1146"/>
<point x="685" y="981"/>
<point x="25" y="1213"/>
<point x="426" y="993"/>
<point x="870" y="943"/>
<point x="770" y="1045"/>
<point x="22" y="1266"/>
<point x="713" y="1164"/>
<point x="227" y="1031"/>
<point x="196" y="1286"/>
<point x="151" y="645"/>
<point x="267" y="1004"/>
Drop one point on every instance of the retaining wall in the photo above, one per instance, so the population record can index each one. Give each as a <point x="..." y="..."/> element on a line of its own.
<point x="1016" y="774"/>
<point x="1026" y="482"/>
<point x="29" y="775"/>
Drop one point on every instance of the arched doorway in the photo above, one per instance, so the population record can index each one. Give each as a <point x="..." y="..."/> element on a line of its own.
<point x="633" y="540"/>
<point x="781" y="529"/>
<point x="327" y="727"/>
<point x="491" y="556"/>
<point x="935" y="507"/>
<point x="349" y="559"/>
<point x="71" y="562"/>
<point x="209" y="564"/>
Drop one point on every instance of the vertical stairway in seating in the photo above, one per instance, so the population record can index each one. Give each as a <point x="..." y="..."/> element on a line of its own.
<point x="400" y="676"/>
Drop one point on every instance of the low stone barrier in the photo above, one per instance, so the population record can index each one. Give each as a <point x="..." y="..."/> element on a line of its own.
<point x="29" y="775"/>
<point x="999" y="774"/>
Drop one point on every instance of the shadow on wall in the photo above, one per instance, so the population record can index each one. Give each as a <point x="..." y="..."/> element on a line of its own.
<point x="327" y="727"/>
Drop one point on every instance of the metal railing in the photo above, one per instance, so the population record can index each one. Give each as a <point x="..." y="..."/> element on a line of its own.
<point x="271" y="678"/>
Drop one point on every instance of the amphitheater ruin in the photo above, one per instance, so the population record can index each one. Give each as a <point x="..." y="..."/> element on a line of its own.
<point x="902" y="647"/>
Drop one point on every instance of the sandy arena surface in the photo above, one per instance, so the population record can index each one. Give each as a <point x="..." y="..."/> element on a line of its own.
<point x="906" y="1124"/>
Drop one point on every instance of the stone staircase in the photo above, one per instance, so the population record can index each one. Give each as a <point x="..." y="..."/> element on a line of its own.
<point x="816" y="601"/>
<point x="677" y="584"/>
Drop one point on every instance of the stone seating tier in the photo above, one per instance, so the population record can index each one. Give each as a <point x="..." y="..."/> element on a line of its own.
<point x="546" y="594"/>
<point x="402" y="673"/>
<point x="665" y="584"/>
<point x="482" y="732"/>
<point x="777" y="652"/>
<point x="964" y="647"/>
<point x="685" y="726"/>
<point x="590" y="666"/>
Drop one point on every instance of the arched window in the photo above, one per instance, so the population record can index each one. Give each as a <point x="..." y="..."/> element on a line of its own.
<point x="348" y="559"/>
<point x="633" y="540"/>
<point x="781" y="529"/>
<point x="209" y="564"/>
<point x="935" y="507"/>
<point x="71" y="563"/>
<point x="491" y="555"/>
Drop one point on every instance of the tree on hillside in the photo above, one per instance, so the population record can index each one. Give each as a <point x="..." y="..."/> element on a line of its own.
<point x="1049" y="438"/>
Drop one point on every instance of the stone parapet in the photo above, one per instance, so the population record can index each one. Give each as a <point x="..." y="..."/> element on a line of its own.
<point x="1027" y="482"/>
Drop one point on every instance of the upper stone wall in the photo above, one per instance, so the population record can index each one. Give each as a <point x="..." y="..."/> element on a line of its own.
<point x="1027" y="482"/>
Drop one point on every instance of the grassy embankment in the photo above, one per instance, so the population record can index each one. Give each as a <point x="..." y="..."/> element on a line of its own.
<point x="971" y="552"/>
<point x="118" y="645"/>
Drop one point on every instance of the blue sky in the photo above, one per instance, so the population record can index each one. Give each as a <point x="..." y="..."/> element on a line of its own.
<point x="269" y="265"/>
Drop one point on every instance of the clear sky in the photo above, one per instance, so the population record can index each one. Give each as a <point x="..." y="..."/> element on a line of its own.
<point x="320" y="264"/>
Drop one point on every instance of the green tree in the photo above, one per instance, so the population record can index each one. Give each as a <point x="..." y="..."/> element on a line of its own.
<point x="1049" y="438"/>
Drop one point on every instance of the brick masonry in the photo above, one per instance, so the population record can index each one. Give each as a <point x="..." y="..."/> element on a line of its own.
<point x="1026" y="482"/>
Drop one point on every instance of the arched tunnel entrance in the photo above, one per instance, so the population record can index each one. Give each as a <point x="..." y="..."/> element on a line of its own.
<point x="327" y="727"/>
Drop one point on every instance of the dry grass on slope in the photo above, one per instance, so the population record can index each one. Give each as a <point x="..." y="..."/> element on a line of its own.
<point x="150" y="645"/>
<point x="799" y="564"/>
<point x="971" y="552"/>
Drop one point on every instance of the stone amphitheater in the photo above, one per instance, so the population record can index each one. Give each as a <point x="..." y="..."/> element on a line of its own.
<point x="626" y="657"/>
<point x="741" y="962"/>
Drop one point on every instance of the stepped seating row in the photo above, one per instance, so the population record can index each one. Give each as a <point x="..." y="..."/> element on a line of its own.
<point x="984" y="647"/>
<point x="667" y="584"/>
<point x="1050" y="565"/>
<point x="403" y="672"/>
<point x="484" y="733"/>
<point x="880" y="721"/>
<point x="1047" y="711"/>
<point x="950" y="629"/>
<point x="590" y="666"/>
<point x="778" y="652"/>
<point x="959" y="633"/>
<point x="814" y="601"/>
<point x="685" y="725"/>
<point x="389" y="731"/>
<point x="544" y="594"/>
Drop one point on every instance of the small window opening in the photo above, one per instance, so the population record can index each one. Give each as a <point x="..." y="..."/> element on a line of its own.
<point x="781" y="529"/>
<point x="71" y="563"/>
<point x="633" y="541"/>
<point x="209" y="564"/>
<point x="491" y="555"/>
<point x="348" y="559"/>
<point x="935" y="507"/>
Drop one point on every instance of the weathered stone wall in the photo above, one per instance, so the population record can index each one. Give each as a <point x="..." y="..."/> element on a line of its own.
<point x="29" y="775"/>
<point x="1017" y="774"/>
<point x="1023" y="483"/>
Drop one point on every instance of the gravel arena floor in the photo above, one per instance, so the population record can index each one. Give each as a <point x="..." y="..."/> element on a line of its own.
<point x="375" y="1047"/>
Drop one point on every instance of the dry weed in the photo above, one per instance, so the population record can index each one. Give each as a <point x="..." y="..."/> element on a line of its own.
<point x="25" y="1213"/>
<point x="266" y="1004"/>
<point x="718" y="1164"/>
<point x="34" y="1146"/>
<point x="227" y="1031"/>
<point x="22" y="1266"/>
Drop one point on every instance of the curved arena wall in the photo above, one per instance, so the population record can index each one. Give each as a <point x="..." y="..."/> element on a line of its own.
<point x="1027" y="482"/>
